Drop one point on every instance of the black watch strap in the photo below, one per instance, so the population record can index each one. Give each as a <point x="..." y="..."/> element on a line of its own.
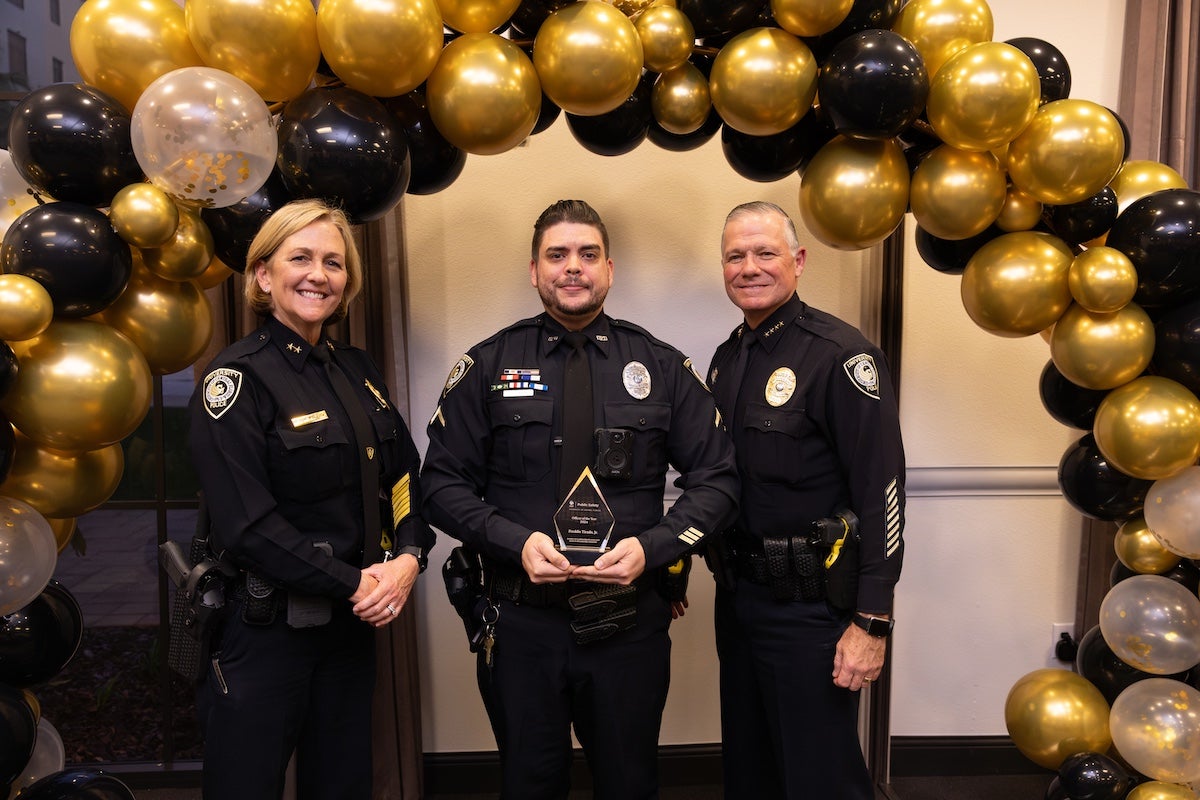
<point x="416" y="552"/>
<point x="874" y="626"/>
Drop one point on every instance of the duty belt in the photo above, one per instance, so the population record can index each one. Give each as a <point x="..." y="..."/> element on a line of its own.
<point x="788" y="565"/>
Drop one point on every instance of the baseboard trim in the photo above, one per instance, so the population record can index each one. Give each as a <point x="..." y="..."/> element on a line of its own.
<point x="921" y="756"/>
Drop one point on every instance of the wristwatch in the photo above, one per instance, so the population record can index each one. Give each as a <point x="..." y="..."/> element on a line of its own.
<point x="874" y="626"/>
<point x="416" y="552"/>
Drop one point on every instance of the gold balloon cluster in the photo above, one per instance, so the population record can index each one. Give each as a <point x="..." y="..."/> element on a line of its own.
<point x="1051" y="714"/>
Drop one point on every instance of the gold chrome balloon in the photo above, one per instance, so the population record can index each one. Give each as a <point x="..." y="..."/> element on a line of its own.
<point x="1016" y="284"/>
<point x="941" y="28"/>
<point x="854" y="192"/>
<point x="187" y="255"/>
<point x="680" y="101"/>
<point x="60" y="484"/>
<point x="169" y="321"/>
<point x="122" y="46"/>
<point x="383" y="48"/>
<point x="956" y="193"/>
<point x="270" y="44"/>
<point x="81" y="385"/>
<point x="1158" y="790"/>
<point x="1102" y="350"/>
<point x="144" y="215"/>
<point x="667" y="37"/>
<point x="810" y="17"/>
<point x="25" y="307"/>
<point x="1069" y="152"/>
<point x="1137" y="178"/>
<point x="1102" y="279"/>
<point x="1149" y="428"/>
<point x="588" y="57"/>
<point x="1053" y="713"/>
<point x="763" y="81"/>
<point x="214" y="274"/>
<point x="1021" y="211"/>
<point x="64" y="530"/>
<point x="983" y="96"/>
<point x="476" y="16"/>
<point x="483" y="94"/>
<point x="1139" y="549"/>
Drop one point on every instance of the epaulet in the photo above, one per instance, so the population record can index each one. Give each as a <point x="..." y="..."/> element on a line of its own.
<point x="638" y="329"/>
<point x="528" y="322"/>
<point x="245" y="346"/>
<point x="825" y="325"/>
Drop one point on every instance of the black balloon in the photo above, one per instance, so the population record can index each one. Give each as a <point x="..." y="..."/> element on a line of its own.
<point x="1185" y="573"/>
<point x="18" y="733"/>
<point x="618" y="131"/>
<point x="436" y="163"/>
<point x="1177" y="345"/>
<point x="72" y="141"/>
<point x="710" y="17"/>
<point x="1124" y="133"/>
<point x="950" y="256"/>
<point x="1081" y="222"/>
<point x="73" y="251"/>
<point x="1094" y="776"/>
<point x="1096" y="661"/>
<point x="1054" y="73"/>
<point x="864" y="15"/>
<point x="77" y="784"/>
<point x="1069" y="403"/>
<point x="549" y="112"/>
<point x="37" y="641"/>
<point x="233" y="227"/>
<point x="1095" y="487"/>
<point x="682" y="142"/>
<point x="8" y="444"/>
<point x="530" y="15"/>
<point x="1055" y="791"/>
<point x="873" y="85"/>
<point x="8" y="369"/>
<point x="774" y="157"/>
<point x="341" y="145"/>
<point x="1160" y="233"/>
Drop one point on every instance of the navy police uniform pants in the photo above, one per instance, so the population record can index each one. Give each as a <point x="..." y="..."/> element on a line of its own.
<point x="541" y="681"/>
<point x="787" y="731"/>
<point x="274" y="689"/>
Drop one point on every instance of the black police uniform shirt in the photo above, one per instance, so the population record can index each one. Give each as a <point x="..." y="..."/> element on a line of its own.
<point x="491" y="469"/>
<point x="274" y="451"/>
<point x="816" y="427"/>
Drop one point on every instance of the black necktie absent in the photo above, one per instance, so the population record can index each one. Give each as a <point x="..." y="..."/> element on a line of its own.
<point x="364" y="442"/>
<point x="578" y="429"/>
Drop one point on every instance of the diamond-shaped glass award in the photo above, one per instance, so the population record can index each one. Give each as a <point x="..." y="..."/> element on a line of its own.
<point x="583" y="522"/>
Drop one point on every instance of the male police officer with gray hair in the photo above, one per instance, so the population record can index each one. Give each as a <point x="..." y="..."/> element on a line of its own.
<point x="804" y="595"/>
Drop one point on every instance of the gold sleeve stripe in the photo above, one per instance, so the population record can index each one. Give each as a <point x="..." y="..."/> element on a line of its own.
<point x="401" y="502"/>
<point x="893" y="517"/>
<point x="691" y="536"/>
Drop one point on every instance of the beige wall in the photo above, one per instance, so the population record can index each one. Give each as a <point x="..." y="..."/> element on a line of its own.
<point x="992" y="546"/>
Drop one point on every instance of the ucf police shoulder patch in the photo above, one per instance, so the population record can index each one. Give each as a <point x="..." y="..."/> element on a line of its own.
<point x="221" y="388"/>
<point x="861" y="369"/>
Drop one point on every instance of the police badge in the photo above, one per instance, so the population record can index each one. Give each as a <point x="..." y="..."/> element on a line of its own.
<point x="636" y="378"/>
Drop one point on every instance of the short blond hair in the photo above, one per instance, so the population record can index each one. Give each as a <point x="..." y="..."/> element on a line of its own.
<point x="287" y="221"/>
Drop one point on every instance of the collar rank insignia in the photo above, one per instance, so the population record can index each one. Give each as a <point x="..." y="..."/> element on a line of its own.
<point x="221" y="388"/>
<point x="294" y="348"/>
<point x="861" y="369"/>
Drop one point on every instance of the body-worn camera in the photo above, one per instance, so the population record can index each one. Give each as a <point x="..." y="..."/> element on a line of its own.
<point x="614" y="453"/>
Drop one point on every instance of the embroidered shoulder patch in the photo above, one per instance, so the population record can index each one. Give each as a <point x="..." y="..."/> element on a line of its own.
<point x="861" y="369"/>
<point x="221" y="388"/>
<point x="457" y="373"/>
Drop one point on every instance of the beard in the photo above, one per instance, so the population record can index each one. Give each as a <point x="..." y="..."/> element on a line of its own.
<point x="581" y="308"/>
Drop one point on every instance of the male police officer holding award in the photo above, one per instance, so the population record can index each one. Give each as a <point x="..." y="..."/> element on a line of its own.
<point x="547" y="456"/>
<point x="804" y="594"/>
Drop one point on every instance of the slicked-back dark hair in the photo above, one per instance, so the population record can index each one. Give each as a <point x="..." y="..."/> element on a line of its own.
<point x="576" y="211"/>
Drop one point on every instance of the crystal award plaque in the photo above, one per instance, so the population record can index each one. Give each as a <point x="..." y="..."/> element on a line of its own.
<point x="583" y="522"/>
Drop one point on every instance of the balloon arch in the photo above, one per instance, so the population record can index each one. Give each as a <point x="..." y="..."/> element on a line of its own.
<point x="126" y="195"/>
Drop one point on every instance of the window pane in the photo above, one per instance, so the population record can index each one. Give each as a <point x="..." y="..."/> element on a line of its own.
<point x="138" y="481"/>
<point x="55" y="17"/>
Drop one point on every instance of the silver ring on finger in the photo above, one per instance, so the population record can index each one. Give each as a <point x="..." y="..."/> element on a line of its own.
<point x="392" y="609"/>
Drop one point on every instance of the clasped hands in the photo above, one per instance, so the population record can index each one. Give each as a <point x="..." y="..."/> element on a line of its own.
<point x="383" y="589"/>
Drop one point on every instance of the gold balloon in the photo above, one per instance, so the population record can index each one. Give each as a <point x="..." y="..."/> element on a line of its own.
<point x="854" y="192"/>
<point x="60" y="484"/>
<point x="956" y="193"/>
<point x="187" y="255"/>
<point x="1149" y="428"/>
<point x="1102" y="350"/>
<point x="1139" y="549"/>
<point x="26" y="308"/>
<point x="383" y="48"/>
<point x="122" y="46"/>
<point x="1136" y="179"/>
<point x="1158" y="790"/>
<point x="476" y="16"/>
<point x="983" y="96"/>
<point x="270" y="44"/>
<point x="80" y="385"/>
<point x="1053" y="713"/>
<point x="588" y="57"/>
<point x="483" y="94"/>
<point x="64" y="530"/>
<point x="680" y="101"/>
<point x="144" y="215"/>
<point x="1069" y="152"/>
<point x="810" y="17"/>
<point x="667" y="37"/>
<point x="169" y="321"/>
<point x="941" y="28"/>
<point x="1102" y="279"/>
<point x="214" y="274"/>
<point x="763" y="81"/>
<point x="1021" y="211"/>
<point x="1016" y="284"/>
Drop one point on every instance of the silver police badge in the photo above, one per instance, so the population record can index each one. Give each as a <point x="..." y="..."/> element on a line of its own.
<point x="861" y="369"/>
<point x="636" y="378"/>
<point x="457" y="372"/>
<point x="221" y="388"/>
<point x="780" y="386"/>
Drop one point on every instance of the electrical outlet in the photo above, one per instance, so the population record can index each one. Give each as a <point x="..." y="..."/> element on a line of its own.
<point x="1058" y="629"/>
